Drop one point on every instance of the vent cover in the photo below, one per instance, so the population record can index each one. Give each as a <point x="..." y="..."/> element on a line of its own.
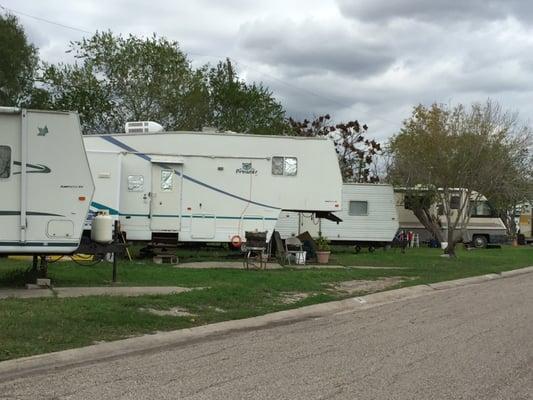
<point x="143" y="127"/>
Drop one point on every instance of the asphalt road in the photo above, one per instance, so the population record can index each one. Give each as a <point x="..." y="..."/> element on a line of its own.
<point x="474" y="342"/>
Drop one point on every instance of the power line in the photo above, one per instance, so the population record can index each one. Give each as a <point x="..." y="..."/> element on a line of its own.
<point x="296" y="87"/>
<point x="45" y="20"/>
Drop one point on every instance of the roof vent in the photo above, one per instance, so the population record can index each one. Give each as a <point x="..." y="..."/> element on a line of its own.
<point x="143" y="127"/>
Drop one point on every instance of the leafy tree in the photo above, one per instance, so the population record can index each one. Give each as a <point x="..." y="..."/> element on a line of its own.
<point x="241" y="107"/>
<point x="356" y="153"/>
<point x="442" y="150"/>
<point x="18" y="63"/>
<point x="117" y="79"/>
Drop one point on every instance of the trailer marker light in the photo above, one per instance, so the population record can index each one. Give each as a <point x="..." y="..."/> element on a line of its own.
<point x="81" y="198"/>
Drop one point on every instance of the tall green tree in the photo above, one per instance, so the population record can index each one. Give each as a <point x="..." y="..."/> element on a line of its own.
<point x="18" y="63"/>
<point x="117" y="79"/>
<point x="241" y="107"/>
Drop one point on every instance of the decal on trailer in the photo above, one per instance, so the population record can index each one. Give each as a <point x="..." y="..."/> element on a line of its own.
<point x="42" y="131"/>
<point x="246" y="169"/>
<point x="34" y="168"/>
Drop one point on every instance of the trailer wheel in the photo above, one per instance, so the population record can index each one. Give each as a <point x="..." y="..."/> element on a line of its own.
<point x="479" y="241"/>
<point x="371" y="249"/>
<point x="357" y="249"/>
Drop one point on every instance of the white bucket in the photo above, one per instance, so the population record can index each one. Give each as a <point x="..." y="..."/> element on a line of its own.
<point x="300" y="257"/>
<point x="444" y="245"/>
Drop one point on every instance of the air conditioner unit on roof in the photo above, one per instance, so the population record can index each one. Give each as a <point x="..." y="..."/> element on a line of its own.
<point x="143" y="127"/>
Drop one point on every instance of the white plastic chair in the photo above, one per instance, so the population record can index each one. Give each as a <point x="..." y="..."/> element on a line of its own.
<point x="293" y="246"/>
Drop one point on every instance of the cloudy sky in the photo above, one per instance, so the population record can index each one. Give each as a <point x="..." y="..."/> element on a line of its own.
<point x="370" y="60"/>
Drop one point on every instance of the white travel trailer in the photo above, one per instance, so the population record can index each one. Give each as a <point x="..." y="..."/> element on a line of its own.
<point x="45" y="183"/>
<point x="368" y="218"/>
<point x="482" y="228"/>
<point x="210" y="187"/>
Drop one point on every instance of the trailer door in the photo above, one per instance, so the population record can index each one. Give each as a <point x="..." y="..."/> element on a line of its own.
<point x="165" y="197"/>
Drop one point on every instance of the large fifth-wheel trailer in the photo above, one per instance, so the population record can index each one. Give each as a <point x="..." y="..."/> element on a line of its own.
<point x="368" y="215"/>
<point x="45" y="182"/>
<point x="210" y="187"/>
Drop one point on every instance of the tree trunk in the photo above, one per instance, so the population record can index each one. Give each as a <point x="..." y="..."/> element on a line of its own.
<point x="450" y="250"/>
<point x="429" y="222"/>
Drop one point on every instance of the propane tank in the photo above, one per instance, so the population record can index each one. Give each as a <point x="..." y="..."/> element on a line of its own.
<point x="102" y="227"/>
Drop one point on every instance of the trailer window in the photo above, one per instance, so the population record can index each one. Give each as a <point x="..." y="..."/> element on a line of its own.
<point x="358" y="208"/>
<point x="286" y="166"/>
<point x="166" y="180"/>
<point x="5" y="161"/>
<point x="135" y="183"/>
<point x="290" y="167"/>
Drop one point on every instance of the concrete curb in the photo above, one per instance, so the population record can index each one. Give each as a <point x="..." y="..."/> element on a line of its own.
<point x="105" y="351"/>
<point x="70" y="292"/>
<point x="516" y="272"/>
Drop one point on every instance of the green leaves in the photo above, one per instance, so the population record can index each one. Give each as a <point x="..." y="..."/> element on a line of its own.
<point x="119" y="79"/>
<point x="18" y="63"/>
<point x="241" y="107"/>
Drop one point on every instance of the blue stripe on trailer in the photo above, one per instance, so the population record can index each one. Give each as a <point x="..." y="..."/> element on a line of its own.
<point x="146" y="157"/>
<point x="115" y="212"/>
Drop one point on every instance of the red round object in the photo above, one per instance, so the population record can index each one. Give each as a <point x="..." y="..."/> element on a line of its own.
<point x="236" y="241"/>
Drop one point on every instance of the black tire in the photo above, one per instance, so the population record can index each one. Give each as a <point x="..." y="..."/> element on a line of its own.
<point x="371" y="249"/>
<point x="479" y="241"/>
<point x="357" y="249"/>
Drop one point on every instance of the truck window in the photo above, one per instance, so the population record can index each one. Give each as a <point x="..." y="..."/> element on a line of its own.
<point x="481" y="209"/>
<point x="5" y="161"/>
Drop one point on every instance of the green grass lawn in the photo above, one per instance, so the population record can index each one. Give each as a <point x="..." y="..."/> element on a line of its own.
<point x="33" y="326"/>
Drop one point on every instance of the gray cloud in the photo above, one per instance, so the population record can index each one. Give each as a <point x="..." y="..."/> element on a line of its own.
<point x="370" y="60"/>
<point x="437" y="10"/>
<point x="314" y="48"/>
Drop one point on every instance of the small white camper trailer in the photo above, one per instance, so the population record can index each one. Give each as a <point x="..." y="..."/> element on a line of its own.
<point x="368" y="218"/>
<point x="210" y="187"/>
<point x="45" y="182"/>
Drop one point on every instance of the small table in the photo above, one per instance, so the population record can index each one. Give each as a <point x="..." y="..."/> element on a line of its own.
<point x="254" y="257"/>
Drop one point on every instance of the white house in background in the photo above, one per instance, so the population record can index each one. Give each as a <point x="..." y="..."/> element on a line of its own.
<point x="210" y="187"/>
<point x="368" y="217"/>
<point x="45" y="183"/>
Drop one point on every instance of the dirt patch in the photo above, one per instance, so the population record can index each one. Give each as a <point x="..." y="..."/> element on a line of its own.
<point x="292" y="297"/>
<point x="173" y="312"/>
<point x="367" y="286"/>
<point x="217" y="309"/>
